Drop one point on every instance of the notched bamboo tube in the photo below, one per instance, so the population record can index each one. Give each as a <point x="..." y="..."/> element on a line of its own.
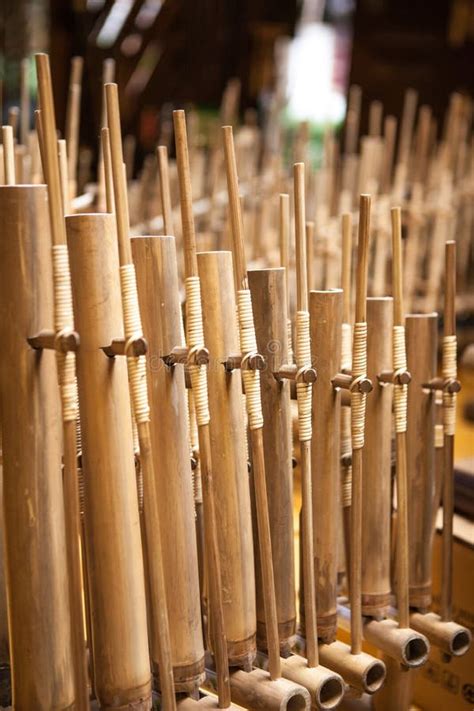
<point x="229" y="458"/>
<point x="449" y="637"/>
<point x="259" y="692"/>
<point x="209" y="703"/>
<point x="406" y="646"/>
<point x="37" y="585"/>
<point x="114" y="555"/>
<point x="325" y="686"/>
<point x="361" y="671"/>
<point x="422" y="343"/>
<point x="326" y="318"/>
<point x="267" y="287"/>
<point x="376" y="468"/>
<point x="157" y="280"/>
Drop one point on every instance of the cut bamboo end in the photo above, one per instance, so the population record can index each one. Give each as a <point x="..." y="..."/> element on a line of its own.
<point x="405" y="645"/>
<point x="209" y="703"/>
<point x="449" y="637"/>
<point x="325" y="686"/>
<point x="361" y="671"/>
<point x="258" y="691"/>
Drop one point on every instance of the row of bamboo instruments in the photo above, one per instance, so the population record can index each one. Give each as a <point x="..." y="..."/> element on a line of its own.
<point x="148" y="500"/>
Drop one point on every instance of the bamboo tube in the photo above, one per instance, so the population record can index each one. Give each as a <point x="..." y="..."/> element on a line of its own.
<point x="24" y="101"/>
<point x="157" y="278"/>
<point x="64" y="321"/>
<point x="36" y="572"/>
<point x="326" y="319"/>
<point x="421" y="331"/>
<point x="375" y="118"/>
<point x="107" y="168"/>
<point x="13" y="119"/>
<point x="227" y="430"/>
<point x="452" y="639"/>
<point x="63" y="174"/>
<point x="359" y="365"/>
<point x="73" y="115"/>
<point x="195" y="339"/>
<point x="346" y="365"/>
<point x="402" y="644"/>
<point x="138" y="389"/>
<point x="258" y="691"/>
<point x="108" y="75"/>
<point x="449" y="424"/>
<point x="400" y="395"/>
<point x="121" y="666"/>
<point x="361" y="671"/>
<point x="390" y="135"/>
<point x="254" y="409"/>
<point x="284" y="238"/>
<point x="267" y="287"/>
<point x="310" y="253"/>
<point x="162" y="156"/>
<point x="325" y="686"/>
<point x="376" y="462"/>
<point x="8" y="155"/>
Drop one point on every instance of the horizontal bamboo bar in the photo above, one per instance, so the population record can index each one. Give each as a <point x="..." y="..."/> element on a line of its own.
<point x="451" y="638"/>
<point x="361" y="671"/>
<point x="406" y="646"/>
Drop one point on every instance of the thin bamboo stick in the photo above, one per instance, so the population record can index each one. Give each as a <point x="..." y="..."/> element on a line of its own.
<point x="137" y="376"/>
<point x="73" y="115"/>
<point x="24" y="101"/>
<point x="210" y="529"/>
<point x="400" y="408"/>
<point x="162" y="156"/>
<point x="8" y="155"/>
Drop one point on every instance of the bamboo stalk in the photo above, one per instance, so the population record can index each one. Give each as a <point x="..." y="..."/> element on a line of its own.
<point x="254" y="413"/>
<point x="357" y="426"/>
<point x="66" y="367"/>
<point x="24" y="101"/>
<point x="162" y="156"/>
<point x="449" y="422"/>
<point x="8" y="155"/>
<point x="400" y="407"/>
<point x="137" y="377"/>
<point x="73" y="115"/>
<point x="210" y="529"/>
<point x="107" y="168"/>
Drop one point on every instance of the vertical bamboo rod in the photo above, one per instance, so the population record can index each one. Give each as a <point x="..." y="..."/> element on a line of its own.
<point x="406" y="128"/>
<point x="107" y="168"/>
<point x="284" y="238"/>
<point x="63" y="175"/>
<point x="73" y="115"/>
<point x="422" y="343"/>
<point x="167" y="210"/>
<point x="138" y="384"/>
<point x="195" y="333"/>
<point x="310" y="253"/>
<point x="400" y="409"/>
<point x="8" y="155"/>
<point x="346" y="266"/>
<point x="304" y="396"/>
<point x="269" y="297"/>
<point x="449" y="422"/>
<point x="359" y="365"/>
<point x="157" y="280"/>
<point x="253" y="401"/>
<point x="108" y="75"/>
<point x="64" y="318"/>
<point x="34" y="518"/>
<point x="24" y="101"/>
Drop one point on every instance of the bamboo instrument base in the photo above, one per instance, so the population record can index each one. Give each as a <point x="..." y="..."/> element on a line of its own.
<point x="406" y="646"/>
<point x="325" y="686"/>
<point x="286" y="635"/>
<point x="452" y="639"/>
<point x="187" y="677"/>
<point x="361" y="671"/>
<point x="257" y="691"/>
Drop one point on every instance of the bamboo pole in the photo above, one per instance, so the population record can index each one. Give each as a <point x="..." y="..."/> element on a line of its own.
<point x="64" y="321"/>
<point x="254" y="410"/>
<point x="199" y="382"/>
<point x="267" y="287"/>
<point x="24" y="101"/>
<point x="157" y="280"/>
<point x="138" y="388"/>
<point x="34" y="519"/>
<point x="400" y="410"/>
<point x="449" y="424"/>
<point x="227" y="432"/>
<point x="116" y="581"/>
<point x="377" y="456"/>
<point x="359" y="367"/>
<point x="108" y="76"/>
<point x="162" y="156"/>
<point x="284" y="238"/>
<point x="8" y="155"/>
<point x="73" y="115"/>
<point x="421" y="331"/>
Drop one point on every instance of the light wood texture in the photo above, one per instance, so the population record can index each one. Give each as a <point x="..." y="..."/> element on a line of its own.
<point x="240" y="263"/>
<point x="185" y="196"/>
<point x="396" y="693"/>
<point x="73" y="117"/>
<point x="376" y="463"/>
<point x="361" y="671"/>
<point x="37" y="584"/>
<point x="231" y="482"/>
<point x="157" y="279"/>
<point x="25" y="107"/>
<point x="268" y="295"/>
<point x="448" y="474"/>
<point x="403" y="644"/>
<point x="8" y="155"/>
<point x="162" y="157"/>
<point x="452" y="639"/>
<point x="116" y="583"/>
<point x="422" y="343"/>
<point x="260" y="692"/>
<point x="324" y="685"/>
<point x="326" y="318"/>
